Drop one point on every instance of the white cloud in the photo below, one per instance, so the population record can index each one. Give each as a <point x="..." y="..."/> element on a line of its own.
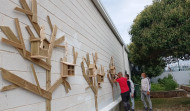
<point x="123" y="12"/>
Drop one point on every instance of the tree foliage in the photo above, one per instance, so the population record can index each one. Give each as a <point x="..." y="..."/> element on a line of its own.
<point x="160" y="31"/>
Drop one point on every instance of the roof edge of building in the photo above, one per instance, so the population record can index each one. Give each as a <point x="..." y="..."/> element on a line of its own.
<point x="108" y="20"/>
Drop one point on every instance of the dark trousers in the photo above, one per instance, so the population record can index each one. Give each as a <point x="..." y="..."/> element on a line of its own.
<point x="125" y="99"/>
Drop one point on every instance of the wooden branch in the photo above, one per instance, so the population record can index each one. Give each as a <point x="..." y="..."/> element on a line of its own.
<point x="34" y="11"/>
<point x="55" y="85"/>
<point x="23" y="11"/>
<point x="24" y="84"/>
<point x="66" y="85"/>
<point x="50" y="24"/>
<point x="52" y="42"/>
<point x="26" y="7"/>
<point x="36" y="78"/>
<point x="9" y="87"/>
<point x="12" y="43"/>
<point x="20" y="36"/>
<point x="60" y="40"/>
<point x="30" y="32"/>
<point x="10" y="35"/>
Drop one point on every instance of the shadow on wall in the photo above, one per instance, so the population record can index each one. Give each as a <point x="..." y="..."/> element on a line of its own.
<point x="181" y="77"/>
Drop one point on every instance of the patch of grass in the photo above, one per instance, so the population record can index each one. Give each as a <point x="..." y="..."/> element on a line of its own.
<point x="165" y="103"/>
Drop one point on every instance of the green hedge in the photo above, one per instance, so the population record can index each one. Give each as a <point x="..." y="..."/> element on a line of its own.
<point x="165" y="84"/>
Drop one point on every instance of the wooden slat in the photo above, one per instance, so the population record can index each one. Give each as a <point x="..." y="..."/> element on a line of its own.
<point x="23" y="11"/>
<point x="12" y="43"/>
<point x="61" y="46"/>
<point x="66" y="85"/>
<point x="50" y="24"/>
<point x="20" y="36"/>
<point x="34" y="11"/>
<point x="24" y="84"/>
<point x="10" y="35"/>
<point x="9" y="87"/>
<point x="30" y="32"/>
<point x="60" y="40"/>
<point x="35" y="25"/>
<point x="36" y="79"/>
<point x="52" y="42"/>
<point x="55" y="85"/>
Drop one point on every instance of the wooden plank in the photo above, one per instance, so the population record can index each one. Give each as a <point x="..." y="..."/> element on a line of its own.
<point x="36" y="78"/>
<point x="35" y="25"/>
<point x="52" y="42"/>
<point x="12" y="43"/>
<point x="60" y="40"/>
<point x="24" y="84"/>
<point x="9" y="87"/>
<point x="50" y="24"/>
<point x="55" y="85"/>
<point x="30" y="32"/>
<point x="23" y="11"/>
<point x="34" y="11"/>
<point x="61" y="46"/>
<point x="20" y="36"/>
<point x="10" y="35"/>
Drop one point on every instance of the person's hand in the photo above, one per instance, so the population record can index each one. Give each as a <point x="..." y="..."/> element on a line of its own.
<point x="148" y="93"/>
<point x="132" y="95"/>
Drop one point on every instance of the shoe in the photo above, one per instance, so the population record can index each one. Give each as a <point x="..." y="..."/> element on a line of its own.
<point x="145" y="108"/>
<point x="132" y="109"/>
<point x="150" y="110"/>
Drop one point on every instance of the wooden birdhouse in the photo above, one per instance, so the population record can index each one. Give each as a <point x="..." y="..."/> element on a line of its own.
<point x="92" y="70"/>
<point x="36" y="51"/>
<point x="112" y="70"/>
<point x="100" y="75"/>
<point x="67" y="69"/>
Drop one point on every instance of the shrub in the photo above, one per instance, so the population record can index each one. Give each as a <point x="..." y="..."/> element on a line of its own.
<point x="157" y="87"/>
<point x="168" y="83"/>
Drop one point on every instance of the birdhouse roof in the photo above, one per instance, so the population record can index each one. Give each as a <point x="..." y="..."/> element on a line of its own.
<point x="67" y="63"/>
<point x="112" y="67"/>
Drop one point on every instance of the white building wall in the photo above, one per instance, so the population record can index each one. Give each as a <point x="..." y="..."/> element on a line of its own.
<point x="85" y="29"/>
<point x="181" y="77"/>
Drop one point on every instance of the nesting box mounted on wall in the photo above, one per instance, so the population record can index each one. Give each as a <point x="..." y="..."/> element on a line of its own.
<point x="68" y="69"/>
<point x="100" y="75"/>
<point x="112" y="69"/>
<point x="38" y="52"/>
<point x="92" y="70"/>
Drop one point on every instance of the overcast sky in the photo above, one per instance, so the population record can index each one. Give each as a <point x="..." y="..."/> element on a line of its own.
<point x="123" y="12"/>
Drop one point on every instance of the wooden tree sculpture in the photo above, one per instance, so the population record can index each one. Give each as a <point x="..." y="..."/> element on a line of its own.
<point x="41" y="49"/>
<point x="90" y="75"/>
<point x="111" y="74"/>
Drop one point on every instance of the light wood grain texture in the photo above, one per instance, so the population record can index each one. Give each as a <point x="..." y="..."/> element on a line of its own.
<point x="35" y="25"/>
<point x="12" y="43"/>
<point x="10" y="35"/>
<point x="50" y="24"/>
<point x="23" y="11"/>
<point x="9" y="87"/>
<point x="30" y="32"/>
<point x="24" y="84"/>
<point x="34" y="11"/>
<point x="52" y="42"/>
<point x="60" y="40"/>
<point x="55" y="85"/>
<point x="36" y="79"/>
<point x="20" y="36"/>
